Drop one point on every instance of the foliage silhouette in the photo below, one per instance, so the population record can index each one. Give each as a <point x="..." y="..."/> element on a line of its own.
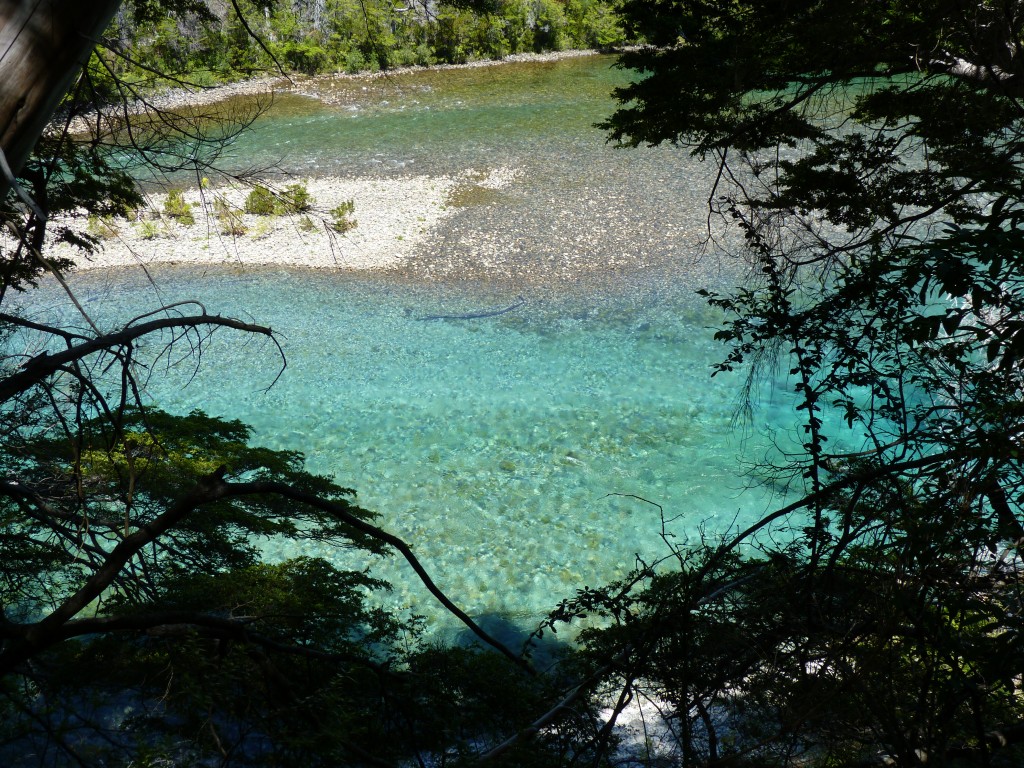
<point x="869" y="171"/>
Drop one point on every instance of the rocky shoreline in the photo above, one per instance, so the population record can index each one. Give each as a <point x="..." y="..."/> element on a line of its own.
<point x="391" y="219"/>
<point x="267" y="85"/>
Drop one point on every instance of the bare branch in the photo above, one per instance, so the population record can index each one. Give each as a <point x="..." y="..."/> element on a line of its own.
<point x="289" y="492"/>
<point x="43" y="365"/>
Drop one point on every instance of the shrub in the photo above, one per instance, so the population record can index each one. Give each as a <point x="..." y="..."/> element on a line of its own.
<point x="404" y="57"/>
<point x="295" y="199"/>
<point x="354" y="62"/>
<point x="102" y="227"/>
<point x="177" y="208"/>
<point x="343" y="216"/>
<point x="305" y="57"/>
<point x="147" y="229"/>
<point x="230" y="223"/>
<point x="229" y="219"/>
<point x="260" y="201"/>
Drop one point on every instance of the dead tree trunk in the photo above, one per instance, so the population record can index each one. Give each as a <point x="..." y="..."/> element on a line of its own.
<point x="43" y="45"/>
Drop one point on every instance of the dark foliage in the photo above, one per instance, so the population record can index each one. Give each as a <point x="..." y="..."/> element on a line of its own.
<point x="869" y="158"/>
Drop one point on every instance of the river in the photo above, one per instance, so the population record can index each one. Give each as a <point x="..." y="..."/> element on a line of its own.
<point x="525" y="453"/>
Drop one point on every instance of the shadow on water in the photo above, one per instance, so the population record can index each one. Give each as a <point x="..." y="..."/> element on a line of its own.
<point x="543" y="651"/>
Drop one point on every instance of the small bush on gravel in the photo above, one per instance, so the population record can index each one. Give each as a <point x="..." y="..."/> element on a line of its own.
<point x="102" y="227"/>
<point x="295" y="199"/>
<point x="260" y="201"/>
<point x="147" y="229"/>
<point x="177" y="208"/>
<point x="343" y="216"/>
<point x="229" y="219"/>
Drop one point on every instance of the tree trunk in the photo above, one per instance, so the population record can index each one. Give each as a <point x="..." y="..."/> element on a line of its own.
<point x="43" y="45"/>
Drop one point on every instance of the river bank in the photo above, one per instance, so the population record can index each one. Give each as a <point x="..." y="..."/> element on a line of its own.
<point x="396" y="213"/>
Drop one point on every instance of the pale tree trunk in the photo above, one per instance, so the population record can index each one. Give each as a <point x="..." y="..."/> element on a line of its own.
<point x="43" y="45"/>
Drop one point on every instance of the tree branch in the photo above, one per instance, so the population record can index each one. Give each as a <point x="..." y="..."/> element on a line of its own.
<point x="54" y="627"/>
<point x="49" y="630"/>
<point x="288" y="492"/>
<point x="38" y="368"/>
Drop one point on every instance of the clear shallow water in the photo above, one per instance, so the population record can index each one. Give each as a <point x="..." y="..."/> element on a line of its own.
<point x="490" y="444"/>
<point x="496" y="446"/>
<point x="437" y="121"/>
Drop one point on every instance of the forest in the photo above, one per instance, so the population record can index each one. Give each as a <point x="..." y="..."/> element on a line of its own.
<point x="208" y="42"/>
<point x="867" y="170"/>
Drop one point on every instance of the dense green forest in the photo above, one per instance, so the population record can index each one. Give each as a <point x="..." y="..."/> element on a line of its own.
<point x="870" y="155"/>
<point x="209" y="42"/>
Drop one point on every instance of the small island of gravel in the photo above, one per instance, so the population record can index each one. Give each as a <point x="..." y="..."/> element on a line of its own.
<point x="391" y="217"/>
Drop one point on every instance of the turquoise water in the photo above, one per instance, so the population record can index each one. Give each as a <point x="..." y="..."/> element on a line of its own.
<point x="508" y="449"/>
<point x="492" y="444"/>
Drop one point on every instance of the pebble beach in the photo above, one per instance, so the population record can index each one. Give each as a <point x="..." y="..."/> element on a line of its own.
<point x="392" y="217"/>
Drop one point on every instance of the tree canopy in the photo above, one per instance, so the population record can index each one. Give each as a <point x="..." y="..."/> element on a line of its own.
<point x="206" y="41"/>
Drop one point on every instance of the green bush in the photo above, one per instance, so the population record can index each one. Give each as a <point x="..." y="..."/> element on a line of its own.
<point x="343" y="216"/>
<point x="404" y="57"/>
<point x="148" y="229"/>
<point x="260" y="201"/>
<point x="230" y="223"/>
<point x="229" y="218"/>
<point x="305" y="57"/>
<point x="102" y="227"/>
<point x="177" y="208"/>
<point x="295" y="199"/>
<point x="354" y="62"/>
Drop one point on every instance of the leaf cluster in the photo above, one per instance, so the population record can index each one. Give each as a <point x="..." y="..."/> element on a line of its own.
<point x="880" y="643"/>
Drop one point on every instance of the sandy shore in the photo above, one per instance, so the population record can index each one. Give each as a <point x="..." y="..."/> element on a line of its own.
<point x="393" y="218"/>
